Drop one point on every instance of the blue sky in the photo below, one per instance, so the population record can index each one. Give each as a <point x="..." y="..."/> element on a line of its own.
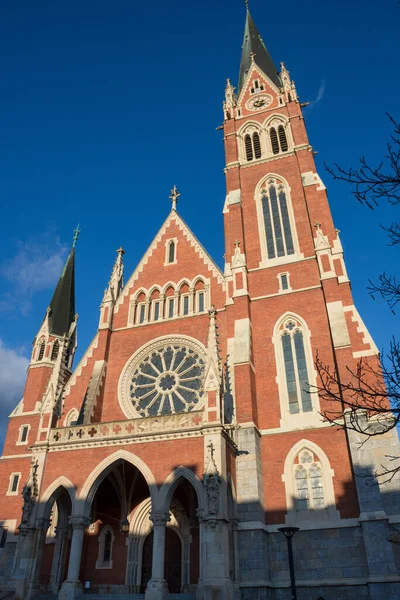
<point x="105" y="105"/>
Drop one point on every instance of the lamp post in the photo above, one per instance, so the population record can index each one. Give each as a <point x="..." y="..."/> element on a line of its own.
<point x="289" y="533"/>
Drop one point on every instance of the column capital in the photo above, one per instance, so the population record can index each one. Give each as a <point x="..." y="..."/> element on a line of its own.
<point x="79" y="522"/>
<point x="159" y="518"/>
<point x="43" y="524"/>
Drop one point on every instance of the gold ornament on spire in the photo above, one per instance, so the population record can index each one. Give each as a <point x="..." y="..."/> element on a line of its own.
<point x="174" y="197"/>
<point x="76" y="235"/>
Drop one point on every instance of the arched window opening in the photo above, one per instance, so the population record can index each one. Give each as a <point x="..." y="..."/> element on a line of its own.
<point x="171" y="252"/>
<point x="274" y="140"/>
<point x="41" y="351"/>
<point x="309" y="486"/>
<point x="71" y="418"/>
<point x="256" y="145"/>
<point x="249" y="148"/>
<point x="106" y="541"/>
<point x="276" y="221"/>
<point x="295" y="369"/>
<point x="55" y="349"/>
<point x="282" y="138"/>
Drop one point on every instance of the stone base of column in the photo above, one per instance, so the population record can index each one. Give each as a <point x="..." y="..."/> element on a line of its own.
<point x="156" y="590"/>
<point x="218" y="589"/>
<point x="70" y="590"/>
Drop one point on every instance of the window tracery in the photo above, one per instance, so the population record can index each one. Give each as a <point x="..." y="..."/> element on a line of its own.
<point x="308" y="482"/>
<point x="276" y="219"/>
<point x="167" y="380"/>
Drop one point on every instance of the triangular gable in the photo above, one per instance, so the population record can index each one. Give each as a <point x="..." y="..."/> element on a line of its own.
<point x="255" y="69"/>
<point x="190" y="237"/>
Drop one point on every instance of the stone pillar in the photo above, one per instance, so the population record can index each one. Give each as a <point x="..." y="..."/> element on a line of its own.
<point x="132" y="565"/>
<point x="157" y="586"/>
<point x="27" y="567"/>
<point x="186" y="564"/>
<point x="57" y="568"/>
<point x="72" y="587"/>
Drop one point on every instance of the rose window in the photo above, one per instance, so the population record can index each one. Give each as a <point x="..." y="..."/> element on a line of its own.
<point x="167" y="380"/>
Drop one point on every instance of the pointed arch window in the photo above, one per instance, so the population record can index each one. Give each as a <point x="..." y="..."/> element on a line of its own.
<point x="171" y="252"/>
<point x="278" y="137"/>
<point x="42" y="348"/>
<point x="252" y="145"/>
<point x="106" y="543"/>
<point x="295" y="369"/>
<point x="309" y="485"/>
<point x="277" y="226"/>
<point x="55" y="349"/>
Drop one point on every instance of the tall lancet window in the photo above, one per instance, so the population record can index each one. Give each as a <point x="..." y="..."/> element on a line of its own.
<point x="277" y="226"/>
<point x="295" y="362"/>
<point x="308" y="482"/>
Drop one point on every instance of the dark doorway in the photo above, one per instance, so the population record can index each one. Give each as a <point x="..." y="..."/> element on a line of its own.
<point x="173" y="561"/>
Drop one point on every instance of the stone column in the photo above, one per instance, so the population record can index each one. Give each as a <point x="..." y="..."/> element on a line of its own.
<point x="72" y="587"/>
<point x="157" y="586"/>
<point x="132" y="565"/>
<point x="186" y="564"/>
<point x="57" y="567"/>
<point x="27" y="569"/>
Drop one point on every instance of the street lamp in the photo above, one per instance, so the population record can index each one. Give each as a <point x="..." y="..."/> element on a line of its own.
<point x="289" y="533"/>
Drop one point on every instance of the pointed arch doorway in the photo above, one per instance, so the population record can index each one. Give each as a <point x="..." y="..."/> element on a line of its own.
<point x="173" y="561"/>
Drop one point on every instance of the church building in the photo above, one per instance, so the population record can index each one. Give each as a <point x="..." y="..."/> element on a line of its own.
<point x="165" y="463"/>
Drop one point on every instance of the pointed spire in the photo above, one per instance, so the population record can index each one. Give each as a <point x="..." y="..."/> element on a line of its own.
<point x="254" y="49"/>
<point x="62" y="305"/>
<point x="116" y="282"/>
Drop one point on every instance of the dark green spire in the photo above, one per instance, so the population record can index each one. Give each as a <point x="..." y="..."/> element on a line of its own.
<point x="253" y="45"/>
<point x="62" y="305"/>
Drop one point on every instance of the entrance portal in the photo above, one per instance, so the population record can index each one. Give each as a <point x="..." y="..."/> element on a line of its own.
<point x="173" y="561"/>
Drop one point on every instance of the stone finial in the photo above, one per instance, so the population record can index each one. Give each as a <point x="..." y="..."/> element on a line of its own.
<point x="174" y="197"/>
<point x="252" y="56"/>
<point x="116" y="281"/>
<point x="230" y="100"/>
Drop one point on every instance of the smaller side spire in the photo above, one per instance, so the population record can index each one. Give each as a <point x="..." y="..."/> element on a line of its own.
<point x="116" y="282"/>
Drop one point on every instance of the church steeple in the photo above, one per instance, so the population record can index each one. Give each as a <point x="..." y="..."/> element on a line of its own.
<point x="254" y="49"/>
<point x="62" y="305"/>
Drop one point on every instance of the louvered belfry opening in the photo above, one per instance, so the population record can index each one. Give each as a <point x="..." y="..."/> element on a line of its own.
<point x="256" y="145"/>
<point x="41" y="351"/>
<point x="54" y="350"/>
<point x="274" y="140"/>
<point x="249" y="148"/>
<point x="282" y="138"/>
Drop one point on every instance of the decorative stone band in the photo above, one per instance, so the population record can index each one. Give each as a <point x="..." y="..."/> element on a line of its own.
<point x="79" y="522"/>
<point x="134" y="428"/>
<point x="159" y="519"/>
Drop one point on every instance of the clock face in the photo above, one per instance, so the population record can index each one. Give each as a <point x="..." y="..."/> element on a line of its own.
<point x="259" y="102"/>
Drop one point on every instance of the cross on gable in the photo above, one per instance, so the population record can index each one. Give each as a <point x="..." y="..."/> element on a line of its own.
<point x="174" y="197"/>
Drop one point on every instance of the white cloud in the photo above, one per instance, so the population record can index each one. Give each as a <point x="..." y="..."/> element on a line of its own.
<point x="36" y="266"/>
<point x="320" y="95"/>
<point x="13" y="366"/>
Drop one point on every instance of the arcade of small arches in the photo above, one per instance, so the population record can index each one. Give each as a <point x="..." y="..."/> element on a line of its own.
<point x="183" y="299"/>
<point x="40" y="350"/>
<point x="265" y="140"/>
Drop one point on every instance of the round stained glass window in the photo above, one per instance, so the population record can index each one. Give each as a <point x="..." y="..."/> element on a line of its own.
<point x="165" y="379"/>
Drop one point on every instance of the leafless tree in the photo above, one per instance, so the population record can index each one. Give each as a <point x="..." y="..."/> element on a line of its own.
<point x="366" y="399"/>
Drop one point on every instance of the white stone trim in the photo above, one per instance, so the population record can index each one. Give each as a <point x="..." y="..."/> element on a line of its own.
<point x="21" y="428"/>
<point x="338" y="324"/>
<point x="311" y="178"/>
<point x="167" y="244"/>
<point x="100" y="563"/>
<point x="94" y="479"/>
<point x="5" y="457"/>
<point x="287" y="258"/>
<point x="367" y="338"/>
<point x="11" y="526"/>
<point x="10" y="482"/>
<point x="124" y="379"/>
<point x="279" y="277"/>
<point x="329" y="513"/>
<point x="82" y="364"/>
<point x="190" y="237"/>
<point x="302" y="420"/>
<point x="69" y="417"/>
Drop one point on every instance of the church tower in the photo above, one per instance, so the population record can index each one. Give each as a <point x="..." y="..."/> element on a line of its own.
<point x="192" y="431"/>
